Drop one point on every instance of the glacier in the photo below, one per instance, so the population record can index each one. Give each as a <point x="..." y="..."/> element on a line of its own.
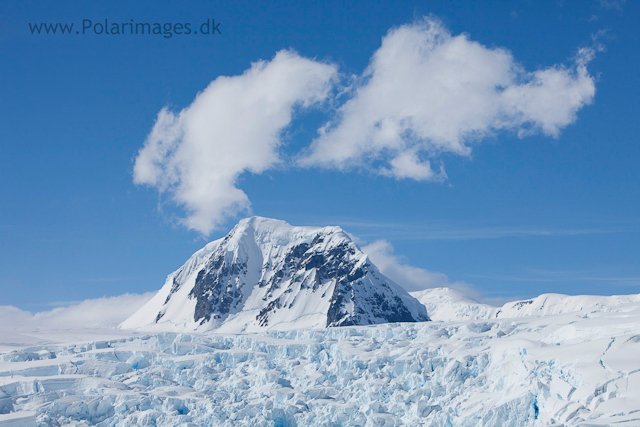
<point x="577" y="367"/>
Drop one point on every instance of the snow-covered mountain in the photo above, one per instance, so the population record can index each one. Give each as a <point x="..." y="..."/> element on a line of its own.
<point x="447" y="304"/>
<point x="268" y="275"/>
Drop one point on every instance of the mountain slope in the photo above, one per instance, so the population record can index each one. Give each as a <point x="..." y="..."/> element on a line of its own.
<point x="266" y="274"/>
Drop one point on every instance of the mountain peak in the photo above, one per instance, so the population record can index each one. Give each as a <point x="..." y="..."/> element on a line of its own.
<point x="267" y="274"/>
<point x="278" y="230"/>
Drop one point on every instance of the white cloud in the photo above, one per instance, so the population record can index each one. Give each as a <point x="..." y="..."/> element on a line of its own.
<point x="99" y="312"/>
<point x="427" y="92"/>
<point x="233" y="126"/>
<point x="410" y="278"/>
<point x="408" y="165"/>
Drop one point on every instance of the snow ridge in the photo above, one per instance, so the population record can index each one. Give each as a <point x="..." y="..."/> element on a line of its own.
<point x="268" y="275"/>
<point x="445" y="304"/>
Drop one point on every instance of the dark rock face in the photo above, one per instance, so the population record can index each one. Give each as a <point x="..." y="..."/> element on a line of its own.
<point x="216" y="291"/>
<point x="263" y="317"/>
<point x="366" y="304"/>
<point x="391" y="311"/>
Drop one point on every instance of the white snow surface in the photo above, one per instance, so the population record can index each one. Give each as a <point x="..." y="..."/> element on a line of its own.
<point x="256" y="255"/>
<point x="579" y="368"/>
<point x="447" y="304"/>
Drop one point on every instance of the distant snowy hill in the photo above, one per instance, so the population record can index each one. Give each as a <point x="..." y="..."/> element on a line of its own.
<point x="446" y="304"/>
<point x="268" y="275"/>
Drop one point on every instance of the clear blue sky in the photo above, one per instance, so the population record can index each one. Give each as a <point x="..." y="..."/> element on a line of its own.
<point x="515" y="217"/>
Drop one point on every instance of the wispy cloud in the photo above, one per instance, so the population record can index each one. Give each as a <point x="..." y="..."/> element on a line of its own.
<point x="108" y="279"/>
<point x="103" y="312"/>
<point x="439" y="230"/>
<point x="409" y="277"/>
<point x="549" y="276"/>
<point x="611" y="4"/>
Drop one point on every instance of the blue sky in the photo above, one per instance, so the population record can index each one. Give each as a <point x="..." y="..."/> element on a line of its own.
<point x="523" y="208"/>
